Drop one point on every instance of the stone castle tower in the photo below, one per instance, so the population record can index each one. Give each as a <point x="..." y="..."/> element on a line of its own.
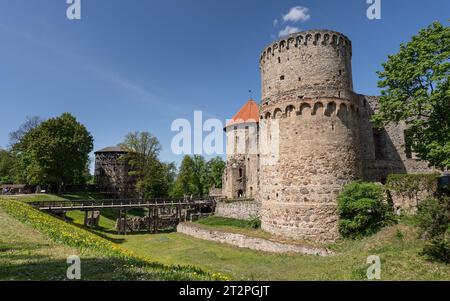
<point x="240" y="179"/>
<point x="307" y="89"/>
<point x="314" y="136"/>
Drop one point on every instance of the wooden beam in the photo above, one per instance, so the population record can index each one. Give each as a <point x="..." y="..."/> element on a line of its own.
<point x="125" y="223"/>
<point x="85" y="217"/>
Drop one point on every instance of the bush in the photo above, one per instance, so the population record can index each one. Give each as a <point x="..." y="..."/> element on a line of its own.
<point x="433" y="218"/>
<point x="255" y="222"/>
<point x="362" y="210"/>
<point x="438" y="248"/>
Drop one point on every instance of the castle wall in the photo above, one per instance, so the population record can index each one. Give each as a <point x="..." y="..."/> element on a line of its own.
<point x="307" y="95"/>
<point x="244" y="210"/>
<point x="383" y="150"/>
<point x="318" y="155"/>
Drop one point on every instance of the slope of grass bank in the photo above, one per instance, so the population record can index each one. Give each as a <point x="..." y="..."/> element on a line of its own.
<point x="399" y="256"/>
<point x="398" y="247"/>
<point x="39" y="249"/>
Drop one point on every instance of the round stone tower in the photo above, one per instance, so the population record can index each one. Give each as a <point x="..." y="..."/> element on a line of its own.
<point x="309" y="117"/>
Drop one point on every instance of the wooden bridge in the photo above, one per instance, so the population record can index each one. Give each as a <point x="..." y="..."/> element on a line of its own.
<point x="161" y="213"/>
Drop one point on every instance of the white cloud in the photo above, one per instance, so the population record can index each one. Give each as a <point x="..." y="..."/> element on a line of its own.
<point x="297" y="14"/>
<point x="288" y="30"/>
<point x="275" y="22"/>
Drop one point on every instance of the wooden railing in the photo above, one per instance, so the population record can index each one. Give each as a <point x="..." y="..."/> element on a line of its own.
<point x="120" y="203"/>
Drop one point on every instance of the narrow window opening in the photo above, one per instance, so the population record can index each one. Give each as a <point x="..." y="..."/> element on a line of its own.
<point x="408" y="144"/>
<point x="378" y="142"/>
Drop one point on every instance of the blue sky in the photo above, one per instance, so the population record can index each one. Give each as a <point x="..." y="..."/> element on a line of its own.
<point x="138" y="65"/>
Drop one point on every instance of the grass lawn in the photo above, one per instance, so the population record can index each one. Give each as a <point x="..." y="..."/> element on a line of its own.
<point x="35" y="246"/>
<point x="397" y="246"/>
<point x="399" y="257"/>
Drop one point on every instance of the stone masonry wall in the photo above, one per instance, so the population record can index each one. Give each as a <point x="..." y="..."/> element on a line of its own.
<point x="243" y="241"/>
<point x="245" y="210"/>
<point x="318" y="155"/>
<point x="383" y="150"/>
<point x="314" y="63"/>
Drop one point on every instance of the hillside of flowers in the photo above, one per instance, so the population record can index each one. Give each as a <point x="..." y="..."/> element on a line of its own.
<point x="87" y="242"/>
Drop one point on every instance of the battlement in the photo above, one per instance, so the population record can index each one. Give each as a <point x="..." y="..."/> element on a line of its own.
<point x="315" y="63"/>
<point x="328" y="107"/>
<point x="306" y="39"/>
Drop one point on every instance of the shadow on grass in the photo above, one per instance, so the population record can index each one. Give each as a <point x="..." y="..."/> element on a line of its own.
<point x="92" y="268"/>
<point x="83" y="196"/>
<point x="5" y="247"/>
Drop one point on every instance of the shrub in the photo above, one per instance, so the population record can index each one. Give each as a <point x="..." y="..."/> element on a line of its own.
<point x="433" y="218"/>
<point x="438" y="248"/>
<point x="255" y="222"/>
<point x="362" y="210"/>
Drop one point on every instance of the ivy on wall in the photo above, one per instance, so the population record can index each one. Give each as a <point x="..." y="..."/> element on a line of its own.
<point x="410" y="185"/>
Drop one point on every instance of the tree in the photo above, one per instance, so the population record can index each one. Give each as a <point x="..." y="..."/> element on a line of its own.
<point x="153" y="178"/>
<point x="184" y="182"/>
<point x="416" y="90"/>
<point x="30" y="123"/>
<point x="196" y="176"/>
<point x="7" y="163"/>
<point x="55" y="153"/>
<point x="214" y="172"/>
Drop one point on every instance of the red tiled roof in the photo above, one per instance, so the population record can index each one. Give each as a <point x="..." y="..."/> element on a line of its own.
<point x="248" y="113"/>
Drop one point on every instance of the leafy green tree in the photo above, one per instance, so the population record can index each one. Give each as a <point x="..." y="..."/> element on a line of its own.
<point x="153" y="178"/>
<point x="55" y="153"/>
<point x="7" y="167"/>
<point x="214" y="172"/>
<point x="416" y="90"/>
<point x="196" y="176"/>
<point x="184" y="185"/>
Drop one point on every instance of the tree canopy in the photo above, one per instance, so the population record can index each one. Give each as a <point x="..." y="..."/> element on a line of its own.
<point x="416" y="90"/>
<point x="7" y="163"/>
<point x="153" y="177"/>
<point x="197" y="176"/>
<point x="55" y="152"/>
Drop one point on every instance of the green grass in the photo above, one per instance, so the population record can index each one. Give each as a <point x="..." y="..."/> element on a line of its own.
<point x="34" y="246"/>
<point x="398" y="247"/>
<point x="52" y="197"/>
<point x="221" y="221"/>
<point x="399" y="257"/>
